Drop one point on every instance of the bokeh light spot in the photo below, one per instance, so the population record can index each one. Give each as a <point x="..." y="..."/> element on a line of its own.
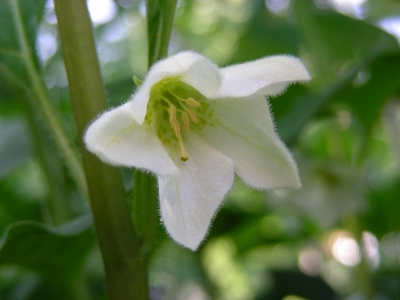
<point x="101" y="11"/>
<point x="310" y="261"/>
<point x="344" y="248"/>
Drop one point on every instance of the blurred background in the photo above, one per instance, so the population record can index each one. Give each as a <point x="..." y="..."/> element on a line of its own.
<point x="336" y="238"/>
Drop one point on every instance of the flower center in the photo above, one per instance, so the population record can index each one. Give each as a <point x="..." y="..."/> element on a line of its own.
<point x="172" y="104"/>
<point x="187" y="114"/>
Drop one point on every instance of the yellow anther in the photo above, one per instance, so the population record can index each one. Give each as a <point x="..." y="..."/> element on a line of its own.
<point x="192" y="115"/>
<point x="176" y="128"/>
<point x="172" y="113"/>
<point x="184" y="156"/>
<point x="186" y="121"/>
<point x="192" y="102"/>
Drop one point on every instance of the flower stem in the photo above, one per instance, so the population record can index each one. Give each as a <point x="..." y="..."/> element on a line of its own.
<point x="160" y="17"/>
<point x="144" y="208"/>
<point x="119" y="243"/>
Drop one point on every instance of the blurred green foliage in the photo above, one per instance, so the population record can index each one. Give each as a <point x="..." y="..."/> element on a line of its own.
<point x="336" y="238"/>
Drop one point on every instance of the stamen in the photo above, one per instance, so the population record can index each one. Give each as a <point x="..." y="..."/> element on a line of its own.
<point x="172" y="113"/>
<point x="187" y="115"/>
<point x="192" y="115"/>
<point x="186" y="121"/>
<point x="179" y="99"/>
<point x="176" y="128"/>
<point x="167" y="100"/>
<point x="184" y="156"/>
<point x="192" y="102"/>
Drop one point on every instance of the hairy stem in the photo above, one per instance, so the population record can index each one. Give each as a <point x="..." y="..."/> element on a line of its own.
<point x="119" y="242"/>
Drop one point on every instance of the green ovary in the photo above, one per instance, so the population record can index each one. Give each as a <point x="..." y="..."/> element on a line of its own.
<point x="175" y="108"/>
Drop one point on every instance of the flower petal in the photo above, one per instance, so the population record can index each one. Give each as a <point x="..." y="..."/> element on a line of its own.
<point x="189" y="201"/>
<point x="118" y="140"/>
<point x="242" y="131"/>
<point x="193" y="69"/>
<point x="267" y="76"/>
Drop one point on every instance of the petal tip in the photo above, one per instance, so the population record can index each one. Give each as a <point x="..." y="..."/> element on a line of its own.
<point x="184" y="240"/>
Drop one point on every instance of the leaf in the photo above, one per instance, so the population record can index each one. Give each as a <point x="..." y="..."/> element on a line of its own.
<point x="306" y="106"/>
<point x="328" y="57"/>
<point x="15" y="208"/>
<point x="384" y="206"/>
<point x="56" y="254"/>
<point x="330" y="40"/>
<point x="266" y="35"/>
<point x="19" y="69"/>
<point x="367" y="100"/>
<point x="15" y="145"/>
<point x="12" y="67"/>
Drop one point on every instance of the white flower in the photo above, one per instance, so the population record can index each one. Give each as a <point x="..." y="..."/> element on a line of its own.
<point x="194" y="125"/>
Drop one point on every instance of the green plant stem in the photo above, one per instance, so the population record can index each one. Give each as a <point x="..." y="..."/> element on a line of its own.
<point x="160" y="17"/>
<point x="119" y="243"/>
<point x="145" y="207"/>
<point x="49" y="114"/>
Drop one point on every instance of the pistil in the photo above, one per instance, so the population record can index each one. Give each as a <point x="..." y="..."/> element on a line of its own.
<point x="187" y="114"/>
<point x="176" y="128"/>
<point x="184" y="156"/>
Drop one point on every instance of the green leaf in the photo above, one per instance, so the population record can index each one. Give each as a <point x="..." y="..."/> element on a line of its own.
<point x="266" y="35"/>
<point x="15" y="145"/>
<point x="367" y="100"/>
<point x="306" y="106"/>
<point x="323" y="30"/>
<point x="20" y="72"/>
<point x="333" y="41"/>
<point x="55" y="254"/>
<point x="13" y="70"/>
<point x="13" y="207"/>
<point x="384" y="206"/>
